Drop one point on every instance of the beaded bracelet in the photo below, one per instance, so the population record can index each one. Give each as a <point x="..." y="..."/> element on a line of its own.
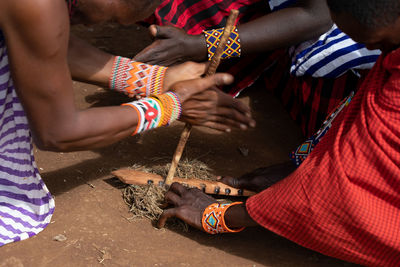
<point x="136" y="78"/>
<point x="213" y="219"/>
<point x="156" y="111"/>
<point x="232" y="49"/>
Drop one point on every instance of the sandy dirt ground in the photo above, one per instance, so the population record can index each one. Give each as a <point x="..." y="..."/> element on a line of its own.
<point x="92" y="216"/>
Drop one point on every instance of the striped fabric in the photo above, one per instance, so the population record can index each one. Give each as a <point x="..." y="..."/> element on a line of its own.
<point x="26" y="205"/>
<point x="280" y="4"/>
<point x="330" y="55"/>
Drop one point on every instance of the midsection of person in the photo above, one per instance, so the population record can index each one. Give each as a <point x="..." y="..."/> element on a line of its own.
<point x="26" y="205"/>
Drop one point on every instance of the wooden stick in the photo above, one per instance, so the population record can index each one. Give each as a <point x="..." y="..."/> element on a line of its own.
<point x="129" y="176"/>
<point x="212" y="68"/>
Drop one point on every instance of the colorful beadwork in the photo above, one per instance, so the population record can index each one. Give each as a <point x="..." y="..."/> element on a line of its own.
<point x="136" y="78"/>
<point x="232" y="49"/>
<point x="172" y="107"/>
<point x="213" y="220"/>
<point x="302" y="152"/>
<point x="156" y="111"/>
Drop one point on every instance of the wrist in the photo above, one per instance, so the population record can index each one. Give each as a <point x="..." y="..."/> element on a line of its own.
<point x="156" y="111"/>
<point x="232" y="48"/>
<point x="237" y="216"/>
<point x="136" y="78"/>
<point x="213" y="219"/>
<point x="197" y="47"/>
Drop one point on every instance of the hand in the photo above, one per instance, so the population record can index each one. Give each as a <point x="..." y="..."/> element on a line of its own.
<point x="189" y="205"/>
<point x="262" y="178"/>
<point x="172" y="46"/>
<point x="208" y="106"/>
<point x="182" y="72"/>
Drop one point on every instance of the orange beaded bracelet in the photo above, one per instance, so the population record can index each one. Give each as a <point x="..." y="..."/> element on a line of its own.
<point x="213" y="219"/>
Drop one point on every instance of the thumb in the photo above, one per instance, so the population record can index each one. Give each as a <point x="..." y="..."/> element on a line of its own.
<point x="162" y="32"/>
<point x="219" y="79"/>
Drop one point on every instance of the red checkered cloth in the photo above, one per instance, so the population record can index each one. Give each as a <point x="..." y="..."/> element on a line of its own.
<point x="344" y="200"/>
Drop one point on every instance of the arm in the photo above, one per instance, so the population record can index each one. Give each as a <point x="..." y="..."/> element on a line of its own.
<point x="189" y="205"/>
<point x="38" y="58"/>
<point x="38" y="52"/>
<point x="283" y="28"/>
<point x="89" y="64"/>
<point x="290" y="26"/>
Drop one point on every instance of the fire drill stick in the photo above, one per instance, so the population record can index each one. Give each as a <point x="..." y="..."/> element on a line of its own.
<point x="212" y="68"/>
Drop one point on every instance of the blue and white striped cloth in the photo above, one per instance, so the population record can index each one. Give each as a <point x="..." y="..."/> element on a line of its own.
<point x="330" y="55"/>
<point x="26" y="205"/>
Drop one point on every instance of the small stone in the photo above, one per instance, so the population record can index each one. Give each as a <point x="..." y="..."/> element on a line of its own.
<point x="60" y="238"/>
<point x="244" y="151"/>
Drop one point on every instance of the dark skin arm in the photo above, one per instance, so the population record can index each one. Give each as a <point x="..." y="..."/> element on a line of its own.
<point x="37" y="35"/>
<point x="189" y="205"/>
<point x="89" y="64"/>
<point x="283" y="28"/>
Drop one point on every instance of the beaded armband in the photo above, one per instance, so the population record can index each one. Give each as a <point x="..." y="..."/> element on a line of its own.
<point x="213" y="220"/>
<point x="136" y="78"/>
<point x="232" y="49"/>
<point x="156" y="111"/>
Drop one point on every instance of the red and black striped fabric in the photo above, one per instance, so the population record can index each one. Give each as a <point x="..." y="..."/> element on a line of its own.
<point x="308" y="100"/>
<point x="194" y="16"/>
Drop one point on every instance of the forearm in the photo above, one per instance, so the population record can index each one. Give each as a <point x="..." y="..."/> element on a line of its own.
<point x="88" y="129"/>
<point x="279" y="29"/>
<point x="89" y="64"/>
<point x="276" y="30"/>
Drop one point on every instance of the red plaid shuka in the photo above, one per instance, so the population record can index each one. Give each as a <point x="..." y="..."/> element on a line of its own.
<point x="308" y="100"/>
<point x="344" y="199"/>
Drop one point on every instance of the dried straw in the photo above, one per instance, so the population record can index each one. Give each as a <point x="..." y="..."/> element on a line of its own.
<point x="145" y="201"/>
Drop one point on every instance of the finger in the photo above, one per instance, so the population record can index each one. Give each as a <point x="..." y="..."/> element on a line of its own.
<point x="231" y="119"/>
<point x="172" y="198"/>
<point x="243" y="108"/>
<point x="153" y="30"/>
<point x="231" y="181"/>
<point x="146" y="54"/>
<point x="217" y="126"/>
<point x="235" y="109"/>
<point x="170" y="213"/>
<point x="164" y="32"/>
<point x="178" y="188"/>
<point x="229" y="101"/>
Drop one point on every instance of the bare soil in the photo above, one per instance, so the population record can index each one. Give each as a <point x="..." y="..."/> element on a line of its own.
<point x="90" y="212"/>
